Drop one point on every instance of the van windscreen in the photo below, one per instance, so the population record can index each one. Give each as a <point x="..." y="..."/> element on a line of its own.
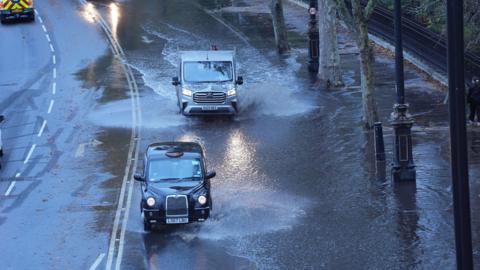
<point x="207" y="71"/>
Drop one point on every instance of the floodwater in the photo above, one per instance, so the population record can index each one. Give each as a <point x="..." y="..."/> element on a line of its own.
<point x="297" y="186"/>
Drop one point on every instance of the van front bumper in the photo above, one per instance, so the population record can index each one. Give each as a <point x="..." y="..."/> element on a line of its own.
<point x="189" y="107"/>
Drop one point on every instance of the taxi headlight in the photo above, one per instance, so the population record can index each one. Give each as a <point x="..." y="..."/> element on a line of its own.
<point x="150" y="201"/>
<point x="202" y="200"/>
<point x="186" y="92"/>
<point x="231" y="92"/>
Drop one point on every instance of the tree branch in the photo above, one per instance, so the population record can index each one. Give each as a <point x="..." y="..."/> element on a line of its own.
<point x="346" y="17"/>
<point x="369" y="9"/>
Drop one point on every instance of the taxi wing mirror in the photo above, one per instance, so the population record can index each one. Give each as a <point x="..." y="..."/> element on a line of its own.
<point x="211" y="175"/>
<point x="175" y="81"/>
<point x="139" y="177"/>
<point x="239" y="80"/>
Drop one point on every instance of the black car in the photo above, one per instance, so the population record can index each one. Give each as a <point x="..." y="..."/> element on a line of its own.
<point x="175" y="184"/>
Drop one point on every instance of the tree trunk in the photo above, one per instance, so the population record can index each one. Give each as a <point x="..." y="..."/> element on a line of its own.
<point x="279" y="28"/>
<point x="370" y="115"/>
<point x="329" y="55"/>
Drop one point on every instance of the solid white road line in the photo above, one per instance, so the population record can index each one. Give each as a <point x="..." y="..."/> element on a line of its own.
<point x="42" y="128"/>
<point x="97" y="261"/>
<point x="54" y="88"/>
<point x="51" y="106"/>
<point x="44" y="29"/>
<point x="30" y="154"/>
<point x="10" y="188"/>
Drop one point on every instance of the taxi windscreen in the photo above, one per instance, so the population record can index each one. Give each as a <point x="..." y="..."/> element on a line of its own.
<point x="174" y="169"/>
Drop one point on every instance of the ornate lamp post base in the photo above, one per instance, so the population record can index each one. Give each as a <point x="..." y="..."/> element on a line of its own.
<point x="403" y="168"/>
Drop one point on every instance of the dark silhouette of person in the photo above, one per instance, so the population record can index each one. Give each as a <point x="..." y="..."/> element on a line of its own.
<point x="473" y="98"/>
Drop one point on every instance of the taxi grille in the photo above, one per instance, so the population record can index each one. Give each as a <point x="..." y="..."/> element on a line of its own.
<point x="209" y="97"/>
<point x="176" y="205"/>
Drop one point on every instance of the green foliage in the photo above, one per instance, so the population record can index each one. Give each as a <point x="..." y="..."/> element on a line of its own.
<point x="433" y="14"/>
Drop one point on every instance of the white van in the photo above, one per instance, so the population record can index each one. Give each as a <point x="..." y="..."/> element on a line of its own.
<point x="207" y="83"/>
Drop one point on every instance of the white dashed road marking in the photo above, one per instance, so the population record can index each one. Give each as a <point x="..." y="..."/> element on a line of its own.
<point x="80" y="150"/>
<point x="44" y="124"/>
<point x="10" y="188"/>
<point x="51" y="106"/>
<point x="42" y="128"/>
<point x="97" y="261"/>
<point x="30" y="153"/>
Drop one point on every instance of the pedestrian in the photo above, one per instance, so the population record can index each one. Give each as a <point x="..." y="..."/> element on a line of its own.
<point x="473" y="99"/>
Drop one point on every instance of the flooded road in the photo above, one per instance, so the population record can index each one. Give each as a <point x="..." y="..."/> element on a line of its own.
<point x="296" y="185"/>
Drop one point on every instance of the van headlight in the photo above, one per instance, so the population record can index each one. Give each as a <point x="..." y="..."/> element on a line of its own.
<point x="187" y="92"/>
<point x="231" y="92"/>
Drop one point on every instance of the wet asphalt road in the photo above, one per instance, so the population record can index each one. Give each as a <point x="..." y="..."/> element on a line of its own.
<point x="295" y="185"/>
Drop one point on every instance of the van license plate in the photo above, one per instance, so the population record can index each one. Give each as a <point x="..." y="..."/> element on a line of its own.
<point x="209" y="108"/>
<point x="177" y="220"/>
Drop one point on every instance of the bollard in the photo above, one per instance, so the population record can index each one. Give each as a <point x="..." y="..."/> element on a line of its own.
<point x="379" y="145"/>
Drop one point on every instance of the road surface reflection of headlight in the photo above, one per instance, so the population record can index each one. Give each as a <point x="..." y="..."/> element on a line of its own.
<point x="202" y="200"/>
<point x="231" y="92"/>
<point x="150" y="201"/>
<point x="186" y="92"/>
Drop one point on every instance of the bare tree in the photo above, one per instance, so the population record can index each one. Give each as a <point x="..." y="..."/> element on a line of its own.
<point x="329" y="56"/>
<point x="280" y="30"/>
<point x="356" y="17"/>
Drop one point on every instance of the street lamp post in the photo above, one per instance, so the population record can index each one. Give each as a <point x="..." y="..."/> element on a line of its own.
<point x="403" y="168"/>
<point x="458" y="135"/>
<point x="313" y="37"/>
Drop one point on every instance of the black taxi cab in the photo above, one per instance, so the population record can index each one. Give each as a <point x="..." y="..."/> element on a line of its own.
<point x="175" y="184"/>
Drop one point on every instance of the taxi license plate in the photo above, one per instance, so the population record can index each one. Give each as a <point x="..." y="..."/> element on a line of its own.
<point x="177" y="220"/>
<point x="209" y="108"/>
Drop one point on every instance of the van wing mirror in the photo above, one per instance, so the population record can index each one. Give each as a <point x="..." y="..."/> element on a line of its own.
<point x="239" y="80"/>
<point x="175" y="81"/>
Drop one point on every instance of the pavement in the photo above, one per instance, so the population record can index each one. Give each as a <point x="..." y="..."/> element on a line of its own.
<point x="296" y="185"/>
